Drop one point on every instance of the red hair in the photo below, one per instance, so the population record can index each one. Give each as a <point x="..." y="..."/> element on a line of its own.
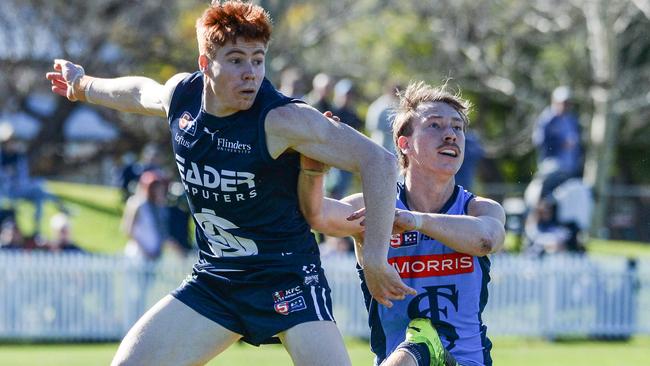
<point x="227" y="21"/>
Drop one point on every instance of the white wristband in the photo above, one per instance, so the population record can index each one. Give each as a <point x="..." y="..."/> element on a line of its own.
<point x="418" y="221"/>
<point x="87" y="91"/>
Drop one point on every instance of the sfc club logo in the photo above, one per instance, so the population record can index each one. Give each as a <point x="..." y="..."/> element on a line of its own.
<point x="406" y="239"/>
<point x="288" y="301"/>
<point x="187" y="123"/>
<point x="286" y="307"/>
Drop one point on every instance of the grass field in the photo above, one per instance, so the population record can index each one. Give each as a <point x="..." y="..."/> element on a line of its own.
<point x="506" y="352"/>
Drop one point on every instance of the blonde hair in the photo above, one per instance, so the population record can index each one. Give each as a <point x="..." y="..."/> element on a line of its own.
<point x="418" y="93"/>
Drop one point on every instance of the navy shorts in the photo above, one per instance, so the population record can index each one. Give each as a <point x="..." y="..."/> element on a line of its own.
<point x="261" y="302"/>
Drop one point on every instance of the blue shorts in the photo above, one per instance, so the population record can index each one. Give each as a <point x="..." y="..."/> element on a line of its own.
<point x="261" y="302"/>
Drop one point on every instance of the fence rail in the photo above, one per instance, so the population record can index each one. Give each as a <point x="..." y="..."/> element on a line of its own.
<point x="62" y="297"/>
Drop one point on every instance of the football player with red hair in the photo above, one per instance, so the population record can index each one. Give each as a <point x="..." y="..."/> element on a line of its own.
<point x="237" y="143"/>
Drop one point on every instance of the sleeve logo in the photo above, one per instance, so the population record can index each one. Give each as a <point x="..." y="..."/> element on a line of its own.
<point x="187" y="123"/>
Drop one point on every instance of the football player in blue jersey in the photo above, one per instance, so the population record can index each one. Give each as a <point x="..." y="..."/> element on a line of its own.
<point x="237" y="143"/>
<point x="443" y="235"/>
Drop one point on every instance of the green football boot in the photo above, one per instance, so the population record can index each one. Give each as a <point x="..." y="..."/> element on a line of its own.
<point x="421" y="330"/>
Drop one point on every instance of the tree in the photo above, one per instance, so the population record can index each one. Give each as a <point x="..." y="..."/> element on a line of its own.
<point x="107" y="37"/>
<point x="507" y="55"/>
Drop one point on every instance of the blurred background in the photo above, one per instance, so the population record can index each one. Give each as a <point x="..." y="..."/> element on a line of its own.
<point x="560" y="135"/>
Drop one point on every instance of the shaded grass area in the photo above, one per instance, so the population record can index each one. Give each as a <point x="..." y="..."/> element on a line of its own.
<point x="95" y="212"/>
<point x="597" y="247"/>
<point x="507" y="351"/>
<point x="619" y="248"/>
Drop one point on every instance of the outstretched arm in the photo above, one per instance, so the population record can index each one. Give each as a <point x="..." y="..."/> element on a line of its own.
<point x="325" y="215"/>
<point x="304" y="129"/>
<point x="478" y="233"/>
<point x="135" y="94"/>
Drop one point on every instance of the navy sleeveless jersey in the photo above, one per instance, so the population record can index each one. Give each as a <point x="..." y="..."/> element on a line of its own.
<point x="244" y="202"/>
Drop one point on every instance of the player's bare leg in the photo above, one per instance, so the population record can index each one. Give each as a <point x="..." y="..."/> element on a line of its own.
<point x="315" y="343"/>
<point x="171" y="333"/>
<point x="400" y="358"/>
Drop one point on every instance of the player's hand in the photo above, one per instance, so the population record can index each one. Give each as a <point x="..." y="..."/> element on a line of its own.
<point x="65" y="79"/>
<point x="403" y="221"/>
<point x="384" y="283"/>
<point x="331" y="115"/>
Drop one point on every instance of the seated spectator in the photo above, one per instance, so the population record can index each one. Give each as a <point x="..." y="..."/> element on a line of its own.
<point x="10" y="236"/>
<point x="62" y="236"/>
<point x="559" y="218"/>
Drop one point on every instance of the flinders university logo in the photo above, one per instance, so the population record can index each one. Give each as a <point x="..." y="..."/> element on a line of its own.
<point x="187" y="123"/>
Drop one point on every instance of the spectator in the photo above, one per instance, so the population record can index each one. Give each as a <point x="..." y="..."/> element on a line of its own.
<point x="338" y="181"/>
<point x="319" y="96"/>
<point x="145" y="218"/>
<point x="178" y="220"/>
<point x="344" y="99"/>
<point x="557" y="138"/>
<point x="10" y="236"/>
<point x="292" y="83"/>
<point x="473" y="154"/>
<point x="62" y="236"/>
<point x="145" y="223"/>
<point x="558" y="219"/>
<point x="129" y="174"/>
<point x="334" y="246"/>
<point x="15" y="181"/>
<point x="132" y="169"/>
<point x="380" y="116"/>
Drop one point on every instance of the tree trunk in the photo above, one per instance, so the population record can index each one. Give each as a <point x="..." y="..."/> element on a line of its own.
<point x="604" y="124"/>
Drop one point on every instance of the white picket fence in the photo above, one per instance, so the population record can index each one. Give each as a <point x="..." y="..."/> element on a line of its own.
<point x="62" y="297"/>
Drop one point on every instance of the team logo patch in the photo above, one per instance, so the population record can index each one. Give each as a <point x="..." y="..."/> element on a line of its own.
<point x="288" y="301"/>
<point x="187" y="123"/>
<point x="286" y="294"/>
<point x="286" y="307"/>
<point x="406" y="239"/>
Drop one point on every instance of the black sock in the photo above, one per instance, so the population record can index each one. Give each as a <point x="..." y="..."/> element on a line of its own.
<point x="419" y="351"/>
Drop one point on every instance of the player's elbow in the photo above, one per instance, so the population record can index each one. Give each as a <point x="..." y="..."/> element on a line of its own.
<point x="489" y="242"/>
